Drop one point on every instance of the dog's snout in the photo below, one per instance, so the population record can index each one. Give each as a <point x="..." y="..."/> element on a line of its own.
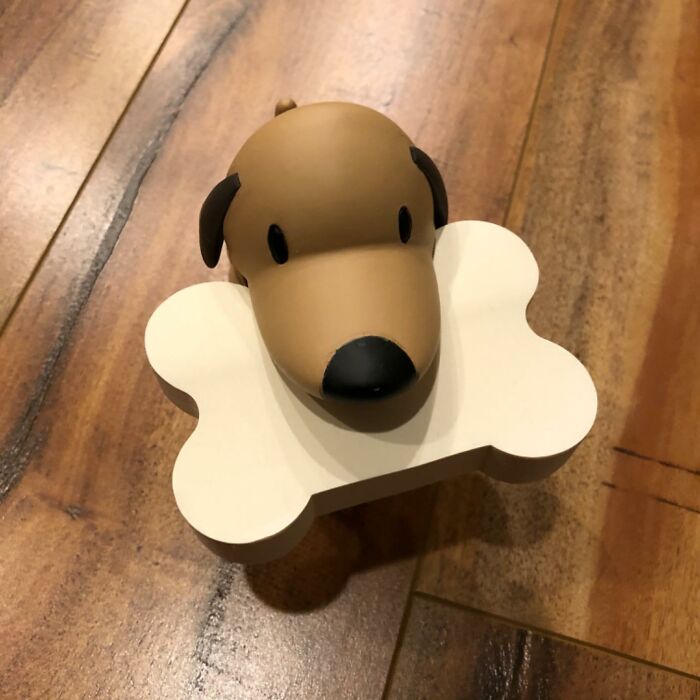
<point x="368" y="368"/>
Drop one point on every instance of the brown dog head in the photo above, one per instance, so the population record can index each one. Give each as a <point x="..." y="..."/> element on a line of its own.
<point x="329" y="215"/>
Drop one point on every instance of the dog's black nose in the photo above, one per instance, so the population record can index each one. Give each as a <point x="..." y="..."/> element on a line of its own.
<point x="368" y="368"/>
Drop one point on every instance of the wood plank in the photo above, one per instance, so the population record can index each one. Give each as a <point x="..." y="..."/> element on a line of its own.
<point x="136" y="607"/>
<point x="68" y="71"/>
<point x="111" y="578"/>
<point x="449" y="652"/>
<point x="608" y="550"/>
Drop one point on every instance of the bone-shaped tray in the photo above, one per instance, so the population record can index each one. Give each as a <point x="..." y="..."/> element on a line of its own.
<point x="265" y="459"/>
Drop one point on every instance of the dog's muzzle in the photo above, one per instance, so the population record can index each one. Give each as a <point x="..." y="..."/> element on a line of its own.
<point x="368" y="368"/>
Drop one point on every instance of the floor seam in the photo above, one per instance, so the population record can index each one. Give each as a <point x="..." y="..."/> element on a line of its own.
<point x="409" y="598"/>
<point x="533" y="111"/>
<point x="91" y="170"/>
<point x="551" y="634"/>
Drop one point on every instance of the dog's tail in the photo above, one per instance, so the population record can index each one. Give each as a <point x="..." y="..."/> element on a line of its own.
<point x="284" y="105"/>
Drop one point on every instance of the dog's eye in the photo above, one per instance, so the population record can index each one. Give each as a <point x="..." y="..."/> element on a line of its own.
<point x="277" y="244"/>
<point x="405" y="224"/>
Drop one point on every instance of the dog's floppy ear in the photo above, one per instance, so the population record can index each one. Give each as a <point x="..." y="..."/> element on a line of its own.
<point x="211" y="218"/>
<point x="437" y="186"/>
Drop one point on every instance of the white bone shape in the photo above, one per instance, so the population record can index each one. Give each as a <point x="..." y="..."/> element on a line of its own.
<point x="265" y="459"/>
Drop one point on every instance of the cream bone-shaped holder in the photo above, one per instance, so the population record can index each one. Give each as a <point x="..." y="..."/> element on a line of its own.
<point x="265" y="458"/>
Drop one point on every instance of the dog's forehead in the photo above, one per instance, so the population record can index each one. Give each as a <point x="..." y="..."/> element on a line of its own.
<point x="318" y="141"/>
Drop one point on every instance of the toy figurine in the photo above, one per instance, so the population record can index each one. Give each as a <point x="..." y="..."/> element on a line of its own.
<point x="329" y="214"/>
<point x="330" y="217"/>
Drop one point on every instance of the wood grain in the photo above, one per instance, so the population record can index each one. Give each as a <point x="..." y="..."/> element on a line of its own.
<point x="65" y="80"/>
<point x="608" y="550"/>
<point x="36" y="335"/>
<point x="100" y="568"/>
<point x="453" y="653"/>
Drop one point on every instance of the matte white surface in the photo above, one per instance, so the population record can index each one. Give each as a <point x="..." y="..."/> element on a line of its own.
<point x="261" y="450"/>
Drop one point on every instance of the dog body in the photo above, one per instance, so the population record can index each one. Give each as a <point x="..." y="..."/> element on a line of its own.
<point x="329" y="214"/>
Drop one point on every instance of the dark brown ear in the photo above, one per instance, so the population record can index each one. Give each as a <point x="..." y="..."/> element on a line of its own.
<point x="437" y="186"/>
<point x="211" y="219"/>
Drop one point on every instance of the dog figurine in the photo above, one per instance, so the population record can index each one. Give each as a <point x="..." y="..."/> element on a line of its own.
<point x="329" y="214"/>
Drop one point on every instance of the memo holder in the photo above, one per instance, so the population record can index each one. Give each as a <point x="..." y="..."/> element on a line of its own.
<point x="266" y="458"/>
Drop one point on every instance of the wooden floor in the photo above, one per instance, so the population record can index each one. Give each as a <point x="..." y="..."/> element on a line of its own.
<point x="574" y="123"/>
